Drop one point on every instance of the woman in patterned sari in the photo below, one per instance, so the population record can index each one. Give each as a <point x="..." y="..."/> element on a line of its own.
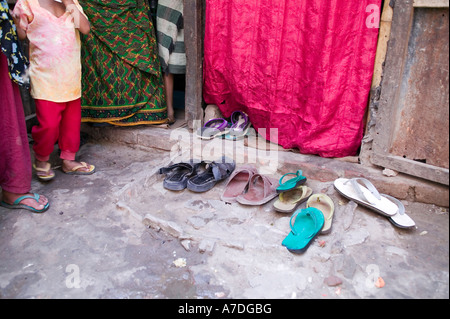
<point x="122" y="81"/>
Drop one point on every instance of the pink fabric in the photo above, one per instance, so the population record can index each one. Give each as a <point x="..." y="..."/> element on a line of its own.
<point x="15" y="159"/>
<point x="58" y="122"/>
<point x="303" y="67"/>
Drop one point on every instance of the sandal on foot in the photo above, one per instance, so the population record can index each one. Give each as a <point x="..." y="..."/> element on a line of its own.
<point x="305" y="225"/>
<point x="323" y="203"/>
<point x="288" y="201"/>
<point x="17" y="205"/>
<point x="44" y="173"/>
<point x="171" y="120"/>
<point x="75" y="170"/>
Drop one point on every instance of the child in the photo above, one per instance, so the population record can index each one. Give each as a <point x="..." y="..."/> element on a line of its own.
<point x="15" y="168"/>
<point x="51" y="27"/>
<point x="170" y="30"/>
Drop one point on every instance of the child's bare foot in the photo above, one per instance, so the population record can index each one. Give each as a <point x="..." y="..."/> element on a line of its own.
<point x="33" y="202"/>
<point x="44" y="170"/>
<point x="77" y="168"/>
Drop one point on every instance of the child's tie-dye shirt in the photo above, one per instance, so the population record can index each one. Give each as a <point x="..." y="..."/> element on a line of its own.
<point x="55" y="65"/>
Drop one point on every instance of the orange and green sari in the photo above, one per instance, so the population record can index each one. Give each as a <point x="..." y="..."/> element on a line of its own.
<point x="121" y="79"/>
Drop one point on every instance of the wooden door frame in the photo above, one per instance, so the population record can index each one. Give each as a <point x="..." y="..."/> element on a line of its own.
<point x="389" y="100"/>
<point x="193" y="38"/>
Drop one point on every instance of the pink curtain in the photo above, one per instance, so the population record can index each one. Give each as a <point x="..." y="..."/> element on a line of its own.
<point x="301" y="66"/>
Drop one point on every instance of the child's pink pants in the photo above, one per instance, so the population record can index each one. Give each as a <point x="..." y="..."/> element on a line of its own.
<point x="58" y="122"/>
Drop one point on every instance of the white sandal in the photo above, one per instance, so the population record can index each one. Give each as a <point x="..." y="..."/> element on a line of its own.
<point x="367" y="195"/>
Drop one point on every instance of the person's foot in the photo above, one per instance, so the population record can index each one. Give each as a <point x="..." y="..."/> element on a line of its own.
<point x="10" y="198"/>
<point x="170" y="117"/>
<point x="43" y="170"/>
<point x="74" y="167"/>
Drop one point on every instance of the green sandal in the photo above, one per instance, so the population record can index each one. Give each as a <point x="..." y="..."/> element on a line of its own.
<point x="298" y="180"/>
<point x="17" y="205"/>
<point x="308" y="223"/>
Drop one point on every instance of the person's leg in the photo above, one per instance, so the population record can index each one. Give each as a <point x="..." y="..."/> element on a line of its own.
<point x="168" y="86"/>
<point x="15" y="158"/>
<point x="69" y="133"/>
<point x="46" y="134"/>
<point x="69" y="137"/>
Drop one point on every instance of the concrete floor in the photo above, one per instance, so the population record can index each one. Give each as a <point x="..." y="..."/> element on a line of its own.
<point x="120" y="234"/>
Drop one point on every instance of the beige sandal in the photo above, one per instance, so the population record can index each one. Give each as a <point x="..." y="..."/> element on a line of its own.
<point x="44" y="174"/>
<point x="325" y="204"/>
<point x="290" y="200"/>
<point x="75" y="170"/>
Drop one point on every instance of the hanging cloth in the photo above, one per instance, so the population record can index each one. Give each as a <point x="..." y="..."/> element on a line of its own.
<point x="303" y="67"/>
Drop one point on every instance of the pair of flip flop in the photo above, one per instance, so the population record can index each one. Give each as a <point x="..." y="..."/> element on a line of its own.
<point x="220" y="127"/>
<point x="18" y="205"/>
<point x="363" y="192"/>
<point x="46" y="174"/>
<point x="197" y="177"/>
<point x="306" y="223"/>
<point x="247" y="187"/>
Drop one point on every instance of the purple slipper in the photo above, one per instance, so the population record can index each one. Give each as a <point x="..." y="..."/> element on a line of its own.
<point x="240" y="125"/>
<point x="213" y="128"/>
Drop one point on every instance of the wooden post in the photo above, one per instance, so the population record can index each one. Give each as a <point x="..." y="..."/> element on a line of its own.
<point x="193" y="38"/>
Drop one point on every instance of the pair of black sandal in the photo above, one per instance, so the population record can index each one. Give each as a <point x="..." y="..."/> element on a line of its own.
<point x="198" y="177"/>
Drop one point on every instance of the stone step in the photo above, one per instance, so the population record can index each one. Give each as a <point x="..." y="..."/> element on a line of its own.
<point x="182" y="144"/>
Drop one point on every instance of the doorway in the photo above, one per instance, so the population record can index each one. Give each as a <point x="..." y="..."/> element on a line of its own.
<point x="174" y="20"/>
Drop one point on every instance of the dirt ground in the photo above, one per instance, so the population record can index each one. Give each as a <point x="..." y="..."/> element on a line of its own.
<point x="120" y="234"/>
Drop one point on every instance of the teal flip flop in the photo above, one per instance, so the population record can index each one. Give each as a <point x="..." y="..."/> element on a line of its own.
<point x="291" y="183"/>
<point x="16" y="204"/>
<point x="307" y="224"/>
